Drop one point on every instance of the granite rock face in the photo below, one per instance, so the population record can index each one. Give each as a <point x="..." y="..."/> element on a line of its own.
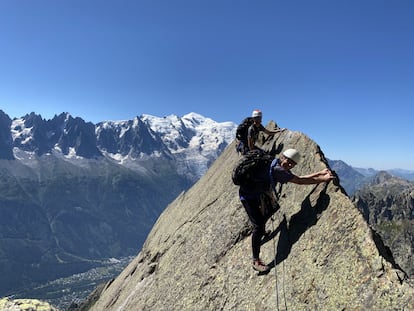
<point x="197" y="256"/>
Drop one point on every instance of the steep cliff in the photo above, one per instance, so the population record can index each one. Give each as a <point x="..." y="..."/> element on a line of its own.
<point x="197" y="256"/>
<point x="387" y="204"/>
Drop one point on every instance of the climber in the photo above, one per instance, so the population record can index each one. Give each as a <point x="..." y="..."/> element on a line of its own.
<point x="256" y="128"/>
<point x="252" y="196"/>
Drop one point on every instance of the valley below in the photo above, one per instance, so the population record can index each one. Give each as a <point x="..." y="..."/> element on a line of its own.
<point x="72" y="290"/>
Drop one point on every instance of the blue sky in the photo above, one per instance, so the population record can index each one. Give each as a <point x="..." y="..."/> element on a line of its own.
<point x="341" y="72"/>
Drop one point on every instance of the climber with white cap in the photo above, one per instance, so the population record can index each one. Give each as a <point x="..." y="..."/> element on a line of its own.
<point x="256" y="128"/>
<point x="253" y="199"/>
<point x="281" y="167"/>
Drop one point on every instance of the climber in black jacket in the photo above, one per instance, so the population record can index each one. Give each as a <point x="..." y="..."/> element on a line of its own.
<point x="252" y="197"/>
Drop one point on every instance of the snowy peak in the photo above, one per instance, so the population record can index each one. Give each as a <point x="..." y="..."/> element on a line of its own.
<point x="191" y="131"/>
<point x="63" y="134"/>
<point x="172" y="130"/>
<point x="6" y="140"/>
<point x="130" y="138"/>
<point x="193" y="141"/>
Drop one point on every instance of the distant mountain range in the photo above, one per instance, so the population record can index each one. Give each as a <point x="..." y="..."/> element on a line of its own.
<point x="193" y="140"/>
<point x="387" y="203"/>
<point x="73" y="193"/>
<point x="353" y="178"/>
<point x="385" y="198"/>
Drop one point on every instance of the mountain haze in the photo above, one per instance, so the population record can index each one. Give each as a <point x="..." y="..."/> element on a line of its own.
<point x="197" y="255"/>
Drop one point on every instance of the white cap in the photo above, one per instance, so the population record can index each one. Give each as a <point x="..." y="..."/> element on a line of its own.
<point x="256" y="113"/>
<point x="292" y="154"/>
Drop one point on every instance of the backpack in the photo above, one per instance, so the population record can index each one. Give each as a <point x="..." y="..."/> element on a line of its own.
<point x="252" y="168"/>
<point x="241" y="135"/>
<point x="242" y="129"/>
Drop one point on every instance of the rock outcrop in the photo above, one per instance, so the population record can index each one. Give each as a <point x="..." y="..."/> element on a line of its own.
<point x="7" y="304"/>
<point x="197" y="256"/>
<point x="387" y="204"/>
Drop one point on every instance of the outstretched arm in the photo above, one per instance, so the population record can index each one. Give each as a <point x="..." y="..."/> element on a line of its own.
<point x="315" y="178"/>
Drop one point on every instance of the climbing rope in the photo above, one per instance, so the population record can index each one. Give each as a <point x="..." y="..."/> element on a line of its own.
<point x="277" y="194"/>
<point x="274" y="251"/>
<point x="276" y="276"/>
<point x="284" y="272"/>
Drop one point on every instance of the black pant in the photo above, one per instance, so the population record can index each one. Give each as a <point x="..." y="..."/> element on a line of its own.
<point x="258" y="220"/>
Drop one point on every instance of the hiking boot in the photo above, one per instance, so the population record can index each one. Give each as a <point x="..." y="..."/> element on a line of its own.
<point x="258" y="265"/>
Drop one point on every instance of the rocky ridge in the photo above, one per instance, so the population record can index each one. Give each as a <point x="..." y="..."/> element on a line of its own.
<point x="387" y="204"/>
<point x="197" y="256"/>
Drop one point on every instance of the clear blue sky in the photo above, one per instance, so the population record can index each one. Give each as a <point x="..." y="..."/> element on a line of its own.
<point x="341" y="72"/>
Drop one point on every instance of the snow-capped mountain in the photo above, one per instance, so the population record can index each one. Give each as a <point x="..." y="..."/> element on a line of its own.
<point x="193" y="141"/>
<point x="74" y="193"/>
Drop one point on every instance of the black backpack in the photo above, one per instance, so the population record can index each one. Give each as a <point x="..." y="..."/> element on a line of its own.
<point x="252" y="168"/>
<point x="241" y="135"/>
<point x="242" y="128"/>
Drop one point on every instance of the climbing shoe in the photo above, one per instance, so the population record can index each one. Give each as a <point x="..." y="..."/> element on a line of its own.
<point x="258" y="265"/>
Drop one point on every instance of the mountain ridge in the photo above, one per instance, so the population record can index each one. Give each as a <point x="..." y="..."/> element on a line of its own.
<point x="387" y="203"/>
<point x="197" y="139"/>
<point x="89" y="192"/>
<point x="354" y="178"/>
<point x="197" y="254"/>
<point x="189" y="152"/>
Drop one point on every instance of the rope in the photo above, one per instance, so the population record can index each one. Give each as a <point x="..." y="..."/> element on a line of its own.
<point x="277" y="195"/>
<point x="276" y="276"/>
<point x="284" y="291"/>
<point x="274" y="251"/>
<point x="284" y="273"/>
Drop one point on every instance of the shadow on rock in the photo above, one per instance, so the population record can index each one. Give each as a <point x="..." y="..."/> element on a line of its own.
<point x="307" y="217"/>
